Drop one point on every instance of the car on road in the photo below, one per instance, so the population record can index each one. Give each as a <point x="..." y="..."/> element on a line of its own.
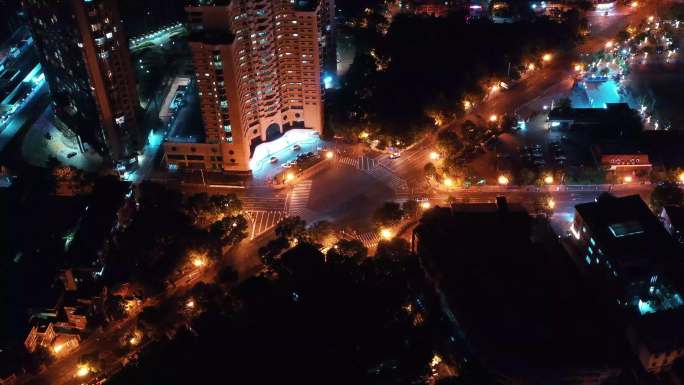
<point x="395" y="155"/>
<point x="71" y="155"/>
<point x="286" y="165"/>
<point x="274" y="159"/>
<point x="296" y="147"/>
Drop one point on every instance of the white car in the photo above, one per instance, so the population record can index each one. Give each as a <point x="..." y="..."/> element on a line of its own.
<point x="286" y="165"/>
<point x="394" y="155"/>
<point x="274" y="159"/>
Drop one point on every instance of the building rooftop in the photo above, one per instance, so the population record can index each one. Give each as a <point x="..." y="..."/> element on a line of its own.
<point x="629" y="233"/>
<point x="520" y="304"/>
<point x="587" y="115"/>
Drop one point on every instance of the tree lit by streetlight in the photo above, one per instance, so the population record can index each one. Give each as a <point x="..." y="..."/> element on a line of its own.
<point x="198" y="262"/>
<point x="548" y="179"/>
<point x="531" y="66"/>
<point x="190" y="304"/>
<point x="547" y="57"/>
<point x="58" y="348"/>
<point x="386" y="234"/>
<point x="467" y="105"/>
<point x="434" y="155"/>
<point x="82" y="371"/>
<point x="364" y="135"/>
<point x="503" y="180"/>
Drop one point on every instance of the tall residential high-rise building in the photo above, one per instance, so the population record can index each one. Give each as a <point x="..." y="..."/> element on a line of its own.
<point x="84" y="53"/>
<point x="259" y="73"/>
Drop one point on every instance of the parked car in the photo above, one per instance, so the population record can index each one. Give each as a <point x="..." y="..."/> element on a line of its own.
<point x="274" y="159"/>
<point x="395" y="155"/>
<point x="71" y="155"/>
<point x="296" y="147"/>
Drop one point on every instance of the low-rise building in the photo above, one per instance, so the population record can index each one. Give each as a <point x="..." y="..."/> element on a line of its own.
<point x="622" y="162"/>
<point x="517" y="304"/>
<point x="626" y="250"/>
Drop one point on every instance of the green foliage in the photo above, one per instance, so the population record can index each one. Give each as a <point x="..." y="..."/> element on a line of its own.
<point x="665" y="194"/>
<point x="229" y="230"/>
<point x="394" y="249"/>
<point x="291" y="228"/>
<point x="389" y="214"/>
<point x="347" y="251"/>
<point x="410" y="208"/>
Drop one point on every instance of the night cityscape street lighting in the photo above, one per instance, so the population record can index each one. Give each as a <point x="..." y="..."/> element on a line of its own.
<point x="548" y="179"/>
<point x="82" y="370"/>
<point x="547" y="57"/>
<point x="448" y="182"/>
<point x="329" y="155"/>
<point x="425" y="205"/>
<point x="503" y="180"/>
<point x="386" y="234"/>
<point x="434" y="155"/>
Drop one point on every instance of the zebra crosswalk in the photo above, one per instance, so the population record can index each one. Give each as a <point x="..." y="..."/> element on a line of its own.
<point x="299" y="198"/>
<point x="384" y="175"/>
<point x="263" y="220"/>
<point x="362" y="163"/>
<point x="370" y="239"/>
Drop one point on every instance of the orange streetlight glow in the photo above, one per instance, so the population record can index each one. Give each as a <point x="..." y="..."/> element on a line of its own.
<point x="628" y="179"/>
<point x="425" y="205"/>
<point x="434" y="155"/>
<point x="551" y="203"/>
<point x="493" y="118"/>
<point x="289" y="176"/>
<point x="386" y="234"/>
<point x="82" y="371"/>
<point x="681" y="177"/>
<point x="548" y="179"/>
<point x="448" y="182"/>
<point x="547" y="57"/>
<point x="329" y="155"/>
<point x="503" y="180"/>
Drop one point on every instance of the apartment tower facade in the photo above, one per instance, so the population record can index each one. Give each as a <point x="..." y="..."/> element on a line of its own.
<point x="84" y="53"/>
<point x="258" y="72"/>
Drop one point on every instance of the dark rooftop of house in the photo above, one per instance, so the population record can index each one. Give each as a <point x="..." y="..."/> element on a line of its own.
<point x="520" y="304"/>
<point x="587" y="115"/>
<point x="661" y="331"/>
<point x="629" y="234"/>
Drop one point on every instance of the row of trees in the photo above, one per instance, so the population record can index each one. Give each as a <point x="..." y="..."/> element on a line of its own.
<point x="167" y="228"/>
<point x="425" y="67"/>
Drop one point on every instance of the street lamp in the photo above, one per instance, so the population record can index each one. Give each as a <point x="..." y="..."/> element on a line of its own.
<point x="364" y="135"/>
<point x="578" y="67"/>
<point x="547" y="57"/>
<point x="434" y="155"/>
<point x="503" y="180"/>
<point x="493" y="118"/>
<point x="199" y="261"/>
<point x="609" y="44"/>
<point x="467" y="105"/>
<point x="386" y="234"/>
<point x="551" y="203"/>
<point x="530" y="66"/>
<point x="448" y="182"/>
<point x="635" y="4"/>
<point x="329" y="155"/>
<point x="58" y="348"/>
<point x="190" y="304"/>
<point x="425" y="205"/>
<point x="628" y="179"/>
<point x="681" y="177"/>
<point x="82" y="371"/>
<point x="548" y="179"/>
<point x="289" y="176"/>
